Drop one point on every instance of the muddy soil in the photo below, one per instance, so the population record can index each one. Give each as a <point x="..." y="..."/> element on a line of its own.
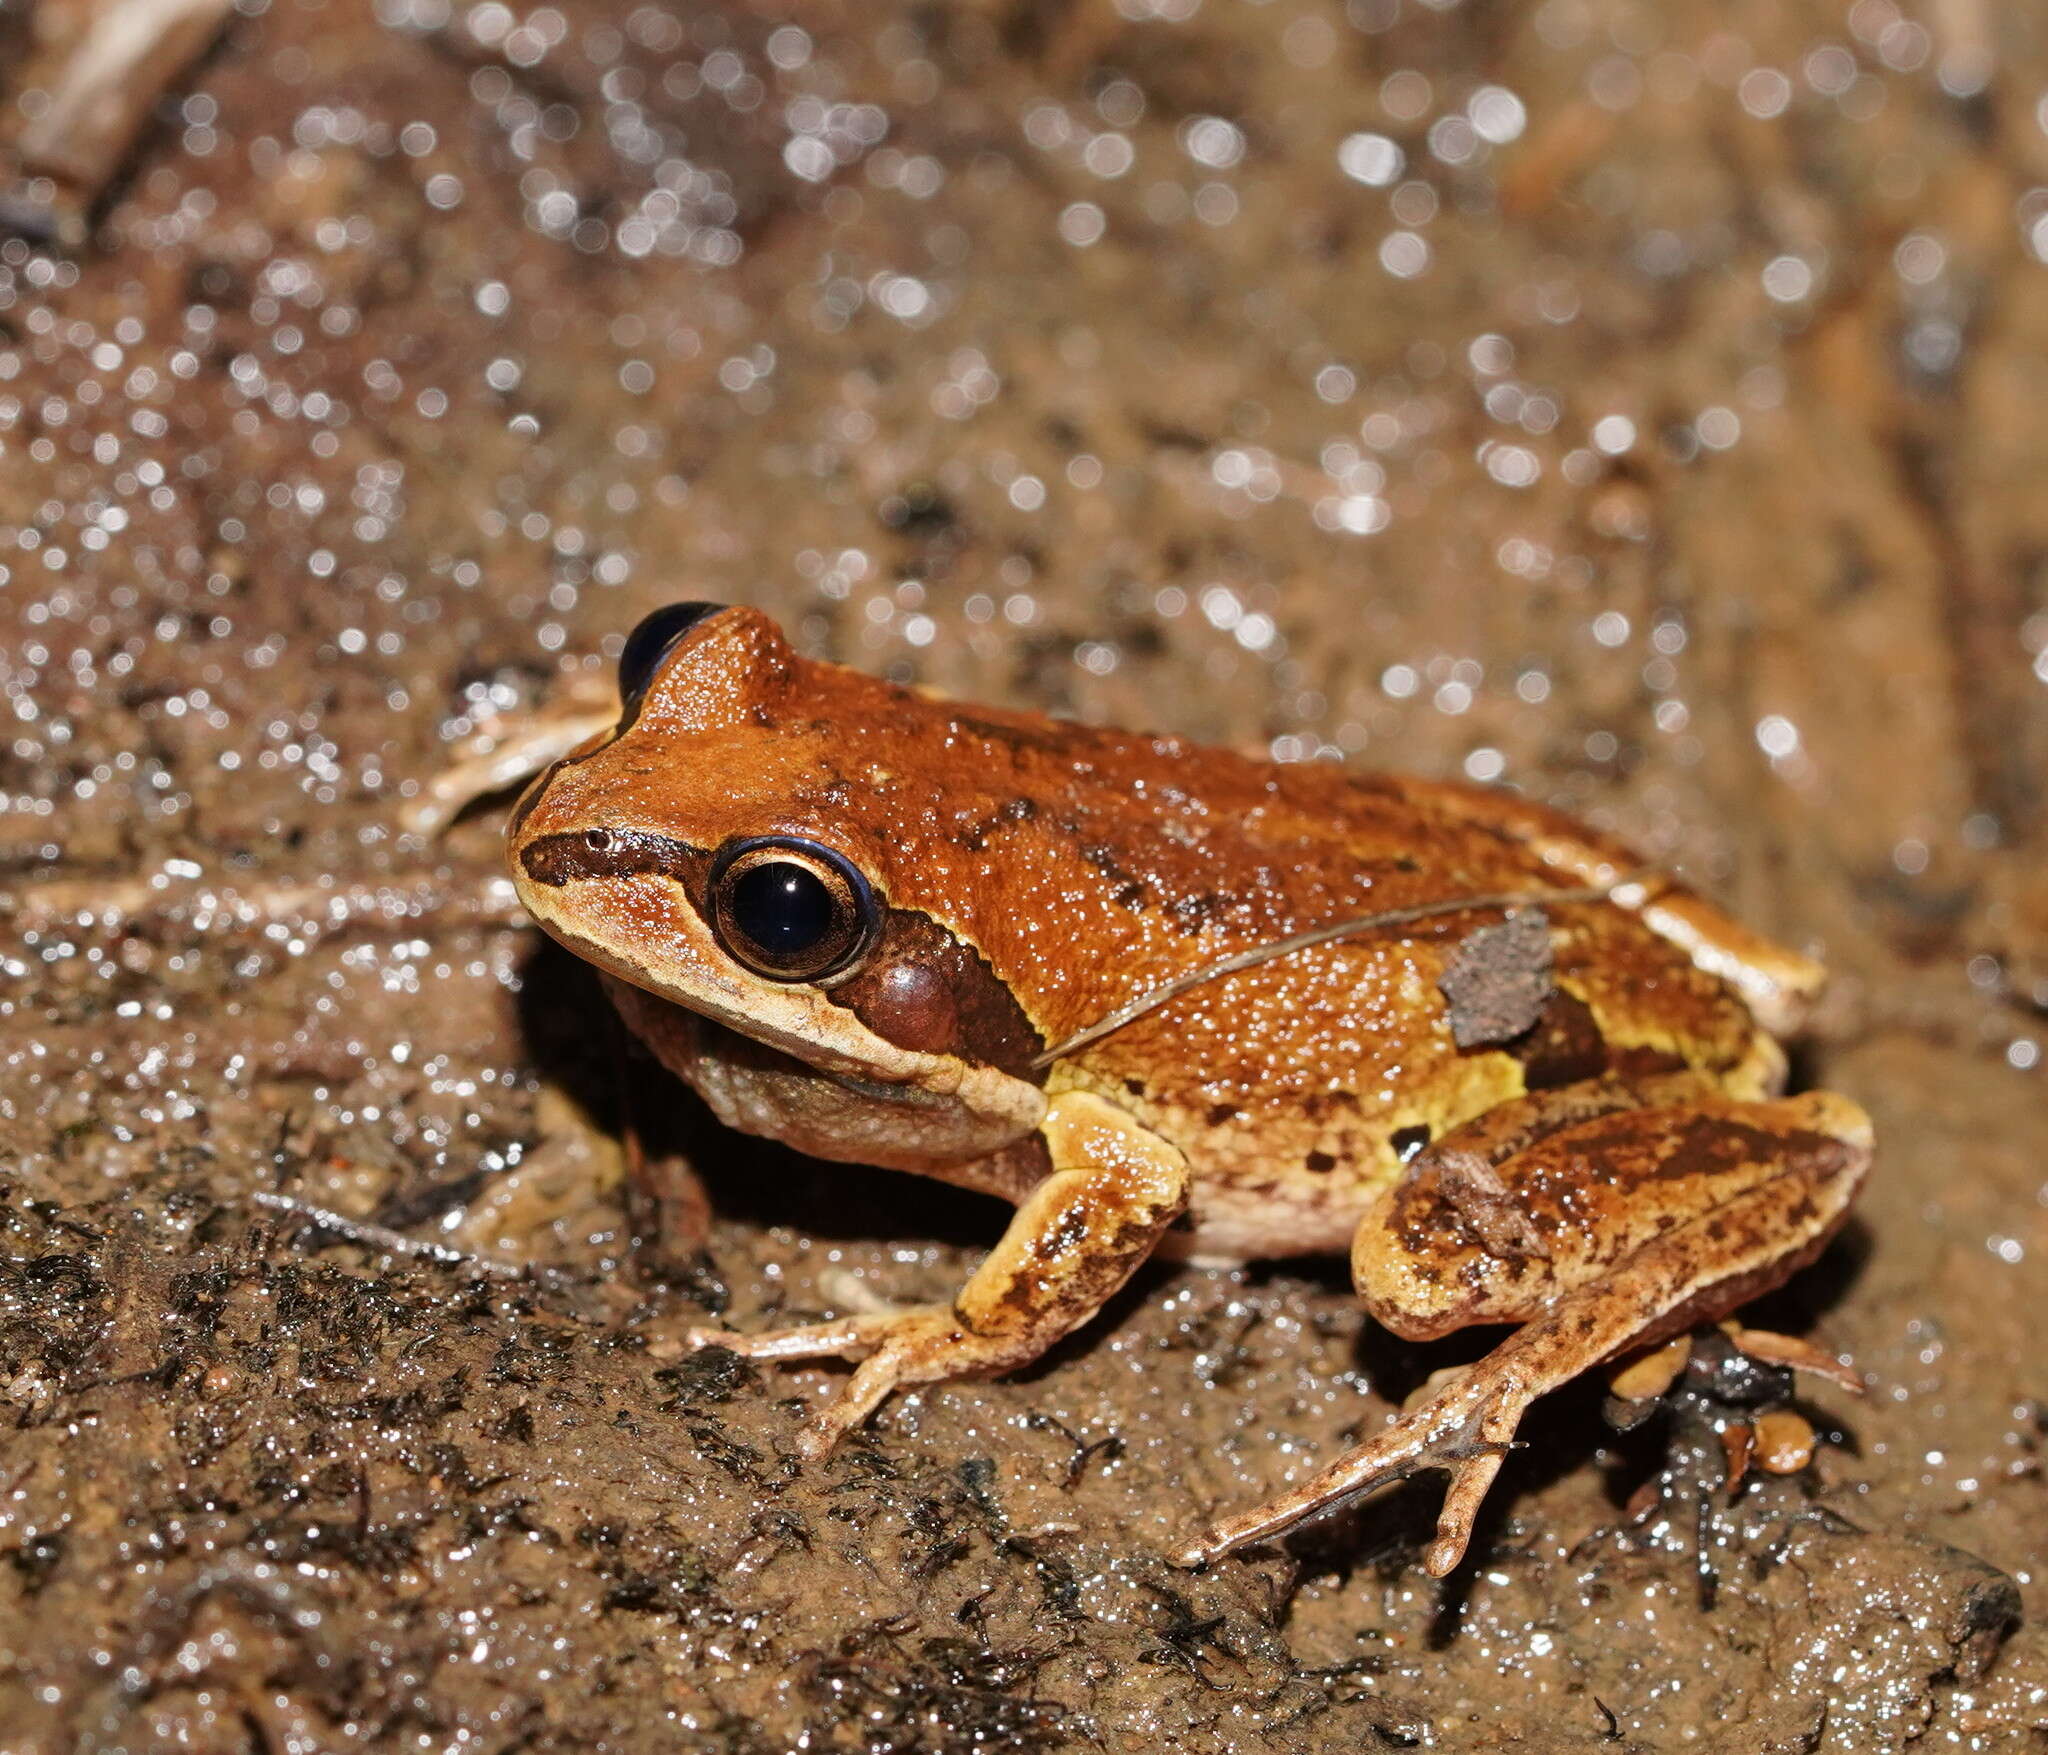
<point x="1638" y="405"/>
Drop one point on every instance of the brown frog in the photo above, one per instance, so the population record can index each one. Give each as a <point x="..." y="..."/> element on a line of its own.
<point x="1169" y="999"/>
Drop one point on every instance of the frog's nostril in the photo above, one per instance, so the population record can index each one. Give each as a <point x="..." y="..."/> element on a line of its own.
<point x="555" y="860"/>
<point x="578" y="855"/>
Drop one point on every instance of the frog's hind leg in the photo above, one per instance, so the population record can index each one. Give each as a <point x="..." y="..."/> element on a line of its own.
<point x="1601" y="1218"/>
<point x="510" y="751"/>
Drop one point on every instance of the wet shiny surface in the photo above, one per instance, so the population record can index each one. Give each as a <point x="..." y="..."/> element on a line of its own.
<point x="1638" y="406"/>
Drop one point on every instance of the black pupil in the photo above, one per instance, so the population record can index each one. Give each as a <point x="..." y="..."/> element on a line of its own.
<point x="784" y="908"/>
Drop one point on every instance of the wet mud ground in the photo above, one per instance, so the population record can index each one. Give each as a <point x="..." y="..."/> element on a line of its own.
<point x="1642" y="406"/>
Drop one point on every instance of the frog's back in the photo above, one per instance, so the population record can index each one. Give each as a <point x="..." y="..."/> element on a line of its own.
<point x="1090" y="866"/>
<point x="1297" y="1087"/>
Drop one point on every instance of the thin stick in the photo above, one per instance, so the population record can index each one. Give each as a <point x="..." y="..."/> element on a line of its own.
<point x="414" y="901"/>
<point x="382" y="1237"/>
<point x="1156" y="997"/>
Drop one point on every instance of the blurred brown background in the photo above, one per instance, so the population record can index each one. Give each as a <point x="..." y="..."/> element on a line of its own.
<point x="1640" y="405"/>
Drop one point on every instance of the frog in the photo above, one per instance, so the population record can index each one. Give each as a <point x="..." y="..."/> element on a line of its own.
<point x="1171" y="1001"/>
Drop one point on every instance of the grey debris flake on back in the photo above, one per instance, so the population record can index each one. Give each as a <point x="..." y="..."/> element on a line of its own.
<point x="1499" y="980"/>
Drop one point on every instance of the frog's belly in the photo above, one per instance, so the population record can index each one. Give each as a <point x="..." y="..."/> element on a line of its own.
<point x="1238" y="1220"/>
<point x="1293" y="1172"/>
<point x="1292" y="1182"/>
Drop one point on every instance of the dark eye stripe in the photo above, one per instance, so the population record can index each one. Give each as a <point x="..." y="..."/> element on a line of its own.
<point x="556" y="860"/>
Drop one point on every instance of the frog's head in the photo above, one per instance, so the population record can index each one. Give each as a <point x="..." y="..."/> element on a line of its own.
<point x="711" y="852"/>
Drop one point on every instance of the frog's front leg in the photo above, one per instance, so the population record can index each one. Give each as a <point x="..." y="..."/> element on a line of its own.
<point x="1113" y="1191"/>
<point x="1600" y="1217"/>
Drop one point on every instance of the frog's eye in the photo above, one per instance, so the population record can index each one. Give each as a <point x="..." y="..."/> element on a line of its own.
<point x="652" y="641"/>
<point x="791" y="910"/>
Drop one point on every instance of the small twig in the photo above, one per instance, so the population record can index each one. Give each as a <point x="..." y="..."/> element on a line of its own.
<point x="511" y="755"/>
<point x="404" y="902"/>
<point x="382" y="1237"/>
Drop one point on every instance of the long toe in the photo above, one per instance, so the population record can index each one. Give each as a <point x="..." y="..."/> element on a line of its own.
<point x="1465" y="1427"/>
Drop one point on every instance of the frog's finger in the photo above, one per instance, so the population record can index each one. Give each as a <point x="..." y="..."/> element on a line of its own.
<point x="925" y="1346"/>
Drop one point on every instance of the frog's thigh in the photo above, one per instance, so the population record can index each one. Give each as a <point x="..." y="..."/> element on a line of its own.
<point x="1497" y="1220"/>
<point x="1597" y="1235"/>
<point x="1114" y="1190"/>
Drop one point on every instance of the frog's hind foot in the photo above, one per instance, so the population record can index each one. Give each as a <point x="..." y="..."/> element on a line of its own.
<point x="1729" y="1425"/>
<point x="1467" y="1427"/>
<point x="1634" y="1221"/>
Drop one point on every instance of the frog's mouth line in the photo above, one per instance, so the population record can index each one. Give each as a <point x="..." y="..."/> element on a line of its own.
<point x="716" y="1040"/>
<point x="710" y="1041"/>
